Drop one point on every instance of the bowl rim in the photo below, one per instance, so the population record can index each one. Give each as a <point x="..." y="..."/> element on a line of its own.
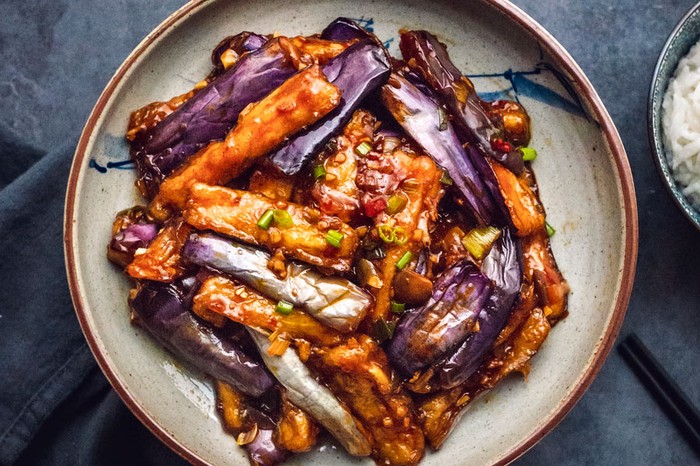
<point x="656" y="142"/>
<point x="595" y="105"/>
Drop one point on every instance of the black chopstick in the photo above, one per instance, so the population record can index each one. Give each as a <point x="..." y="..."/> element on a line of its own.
<point x="667" y="393"/>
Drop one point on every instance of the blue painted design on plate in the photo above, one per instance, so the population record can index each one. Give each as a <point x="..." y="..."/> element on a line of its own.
<point x="118" y="165"/>
<point x="366" y="23"/>
<point x="521" y="85"/>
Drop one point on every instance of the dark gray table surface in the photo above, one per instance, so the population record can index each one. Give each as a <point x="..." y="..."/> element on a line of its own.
<point x="57" y="55"/>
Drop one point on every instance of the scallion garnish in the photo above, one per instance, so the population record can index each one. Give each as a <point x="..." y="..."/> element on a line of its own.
<point x="410" y="185"/>
<point x="319" y="172"/>
<point x="282" y="218"/>
<point x="529" y="154"/>
<point x="284" y="307"/>
<point x="334" y="237"/>
<point x="445" y="179"/>
<point x="396" y="203"/>
<point x="479" y="241"/>
<point x="266" y="219"/>
<point x="405" y="259"/>
<point x="397" y="308"/>
<point x="550" y="229"/>
<point x="363" y="148"/>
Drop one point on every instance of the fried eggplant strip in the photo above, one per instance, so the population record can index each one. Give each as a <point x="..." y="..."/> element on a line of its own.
<point x="382" y="175"/>
<point x="304" y="391"/>
<point x="336" y="190"/>
<point x="322" y="50"/>
<point x="299" y="102"/>
<point x="525" y="209"/>
<point x="161" y="260"/>
<point x="242" y="418"/>
<point x="244" y="305"/>
<point x="541" y="269"/>
<point x="334" y="301"/>
<point x="236" y="213"/>
<point x="358" y="373"/>
<point x="296" y="431"/>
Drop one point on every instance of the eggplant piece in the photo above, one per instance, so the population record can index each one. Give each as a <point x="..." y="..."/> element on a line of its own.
<point x="304" y="391"/>
<point x="357" y="72"/>
<point x="132" y="230"/>
<point x="242" y="416"/>
<point x="220" y="297"/>
<point x="299" y="102"/>
<point x="235" y="213"/>
<point x="344" y="29"/>
<point x="426" y="55"/>
<point x="434" y="330"/>
<point x="358" y="373"/>
<point x="209" y="114"/>
<point x="237" y="45"/>
<point x="424" y="120"/>
<point x="162" y="310"/>
<point x="161" y="260"/>
<point x="503" y="267"/>
<point x="335" y="302"/>
<point x="336" y="191"/>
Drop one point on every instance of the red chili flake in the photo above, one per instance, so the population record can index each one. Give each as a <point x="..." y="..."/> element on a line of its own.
<point x="501" y="146"/>
<point x="375" y="207"/>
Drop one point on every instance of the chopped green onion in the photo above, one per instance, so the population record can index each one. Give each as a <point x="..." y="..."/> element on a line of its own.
<point x="397" y="308"/>
<point x="396" y="203"/>
<point x="384" y="330"/>
<point x="410" y="185"/>
<point x="550" y="229"/>
<point x="363" y="148"/>
<point x="319" y="172"/>
<point x="445" y="179"/>
<point x="400" y="236"/>
<point x="284" y="307"/>
<point x="266" y="219"/>
<point x="282" y="218"/>
<point x="529" y="154"/>
<point x="405" y="259"/>
<point x="376" y="253"/>
<point x="334" y="237"/>
<point x="479" y="240"/>
<point x="442" y="117"/>
<point x="386" y="233"/>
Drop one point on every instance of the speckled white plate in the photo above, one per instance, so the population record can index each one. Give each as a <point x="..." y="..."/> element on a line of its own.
<point x="582" y="170"/>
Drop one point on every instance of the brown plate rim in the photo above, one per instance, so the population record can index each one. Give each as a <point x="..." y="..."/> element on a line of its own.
<point x="584" y="87"/>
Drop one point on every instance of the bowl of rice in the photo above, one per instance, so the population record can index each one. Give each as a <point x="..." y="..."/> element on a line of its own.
<point x="674" y="114"/>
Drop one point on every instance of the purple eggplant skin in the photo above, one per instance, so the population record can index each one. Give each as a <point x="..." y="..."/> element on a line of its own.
<point x="132" y="229"/>
<point x="344" y="29"/>
<point x="433" y="331"/>
<point x="503" y="266"/>
<point x="240" y="43"/>
<point x="162" y="310"/>
<point x="127" y="241"/>
<point x="358" y="71"/>
<point x="263" y="452"/>
<point x="210" y="114"/>
<point x="428" y="57"/>
<point x="423" y="119"/>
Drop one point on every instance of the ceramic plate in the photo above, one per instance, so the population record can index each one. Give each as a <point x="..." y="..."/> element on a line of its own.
<point x="582" y="170"/>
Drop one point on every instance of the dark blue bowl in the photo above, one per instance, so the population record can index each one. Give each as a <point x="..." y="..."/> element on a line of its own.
<point x="684" y="36"/>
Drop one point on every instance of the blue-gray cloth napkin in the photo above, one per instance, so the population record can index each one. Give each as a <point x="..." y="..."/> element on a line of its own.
<point x="56" y="408"/>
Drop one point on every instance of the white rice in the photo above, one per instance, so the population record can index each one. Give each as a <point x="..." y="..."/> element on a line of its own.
<point x="681" y="125"/>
